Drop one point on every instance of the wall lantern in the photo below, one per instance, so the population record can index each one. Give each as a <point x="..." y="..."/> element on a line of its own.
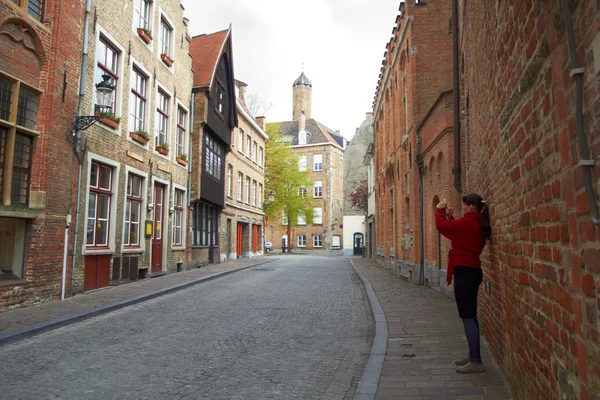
<point x="271" y="197"/>
<point x="104" y="96"/>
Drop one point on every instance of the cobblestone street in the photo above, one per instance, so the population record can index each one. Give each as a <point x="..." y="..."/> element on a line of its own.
<point x="299" y="327"/>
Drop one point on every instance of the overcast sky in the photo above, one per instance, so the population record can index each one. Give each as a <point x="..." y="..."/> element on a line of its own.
<point x="340" y="42"/>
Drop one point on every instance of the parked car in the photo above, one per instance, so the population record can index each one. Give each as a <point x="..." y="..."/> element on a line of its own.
<point x="268" y="246"/>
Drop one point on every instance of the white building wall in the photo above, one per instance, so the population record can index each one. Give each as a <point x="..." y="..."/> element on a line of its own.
<point x="352" y="224"/>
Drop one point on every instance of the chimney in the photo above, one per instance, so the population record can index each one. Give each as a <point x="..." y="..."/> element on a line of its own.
<point x="301" y="122"/>
<point x="261" y="122"/>
<point x="241" y="87"/>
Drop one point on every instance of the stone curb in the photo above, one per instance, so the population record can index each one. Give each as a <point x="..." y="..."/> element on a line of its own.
<point x="41" y="327"/>
<point x="367" y="387"/>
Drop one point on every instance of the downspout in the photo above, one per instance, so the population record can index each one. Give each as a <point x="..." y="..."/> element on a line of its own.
<point x="86" y="28"/>
<point x="577" y="72"/>
<point x="456" y="91"/>
<point x="421" y="166"/>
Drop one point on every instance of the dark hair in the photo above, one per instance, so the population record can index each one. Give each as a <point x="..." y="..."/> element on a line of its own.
<point x="473" y="199"/>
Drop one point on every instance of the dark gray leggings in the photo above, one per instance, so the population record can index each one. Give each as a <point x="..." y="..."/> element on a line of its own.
<point x="466" y="287"/>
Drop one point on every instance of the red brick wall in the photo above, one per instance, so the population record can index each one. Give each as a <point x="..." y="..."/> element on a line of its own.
<point x="542" y="270"/>
<point x="44" y="67"/>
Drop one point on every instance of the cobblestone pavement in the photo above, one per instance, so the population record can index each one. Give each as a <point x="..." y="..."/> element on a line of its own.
<point x="299" y="327"/>
<point x="425" y="336"/>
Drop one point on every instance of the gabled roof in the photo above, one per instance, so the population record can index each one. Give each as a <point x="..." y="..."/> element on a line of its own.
<point x="319" y="133"/>
<point x="206" y="51"/>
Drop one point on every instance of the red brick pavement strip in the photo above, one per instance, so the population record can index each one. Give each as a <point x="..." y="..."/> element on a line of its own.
<point x="25" y="322"/>
<point x="425" y="336"/>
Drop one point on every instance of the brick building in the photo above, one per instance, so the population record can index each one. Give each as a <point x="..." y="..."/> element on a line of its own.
<point x="321" y="150"/>
<point x="134" y="174"/>
<point x="409" y="115"/>
<point x="242" y="218"/>
<point x="39" y="73"/>
<point x="215" y="117"/>
<point x="524" y="148"/>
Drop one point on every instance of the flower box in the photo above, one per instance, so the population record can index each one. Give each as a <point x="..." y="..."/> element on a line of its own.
<point x="144" y="35"/>
<point x="111" y="123"/>
<point x="181" y="161"/>
<point x="166" y="59"/>
<point x="162" y="150"/>
<point x="138" y="138"/>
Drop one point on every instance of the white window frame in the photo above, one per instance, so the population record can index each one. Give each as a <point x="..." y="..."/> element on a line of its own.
<point x="240" y="186"/>
<point x="241" y="141"/>
<point x="137" y="65"/>
<point x="144" y="176"/>
<point x="117" y="107"/>
<point x="302" y="163"/>
<point x="247" y="190"/>
<point x="254" y="151"/>
<point x="260" y="156"/>
<point x="260" y="195"/>
<point x="254" y="193"/>
<point x="301" y="219"/>
<point x="179" y="105"/>
<point x="113" y="206"/>
<point x="318" y="219"/>
<point x="184" y="225"/>
<point x="302" y="191"/>
<point x="320" y="240"/>
<point x="301" y="241"/>
<point x="284" y="219"/>
<point x="317" y="166"/>
<point x="171" y="25"/>
<point x="229" y="179"/>
<point x="315" y="190"/>
<point x="156" y="138"/>
<point x="135" y="23"/>
<point x="248" y="145"/>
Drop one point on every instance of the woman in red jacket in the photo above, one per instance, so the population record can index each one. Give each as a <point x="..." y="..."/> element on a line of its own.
<point x="468" y="235"/>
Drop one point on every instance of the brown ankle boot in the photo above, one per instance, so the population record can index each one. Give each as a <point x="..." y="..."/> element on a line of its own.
<point x="463" y="361"/>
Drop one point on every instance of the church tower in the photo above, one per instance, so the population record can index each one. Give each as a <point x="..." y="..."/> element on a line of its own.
<point x="302" y="97"/>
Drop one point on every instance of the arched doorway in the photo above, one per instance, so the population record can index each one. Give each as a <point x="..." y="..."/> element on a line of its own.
<point x="358" y="244"/>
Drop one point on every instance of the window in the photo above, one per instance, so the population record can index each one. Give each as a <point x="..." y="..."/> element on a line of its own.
<point x="137" y="101"/>
<point x="178" y="218"/>
<point x="254" y="193"/>
<point x="302" y="137"/>
<point x="229" y="178"/>
<point x="318" y="162"/>
<point x="205" y="225"/>
<point x="166" y="37"/>
<point x="260" y="156"/>
<point x="133" y="207"/>
<point x="220" y="97"/>
<point x="239" y="186"/>
<point x="247" y="190"/>
<point x="181" y="138"/>
<point x="107" y="57"/>
<point x="142" y="14"/>
<point x="254" y="151"/>
<point x="318" y="219"/>
<point x="16" y="138"/>
<point x="317" y="241"/>
<point x="241" y="141"/>
<point x="213" y="157"/>
<point x="284" y="219"/>
<point x="301" y="219"/>
<point x="301" y="240"/>
<point x="302" y="163"/>
<point x="260" y="195"/>
<point x="34" y="8"/>
<point x="318" y="189"/>
<point x="162" y="118"/>
<point x="248" y="146"/>
<point x="302" y="191"/>
<point x="99" y="203"/>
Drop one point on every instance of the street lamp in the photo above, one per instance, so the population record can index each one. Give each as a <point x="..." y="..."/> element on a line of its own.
<point x="271" y="197"/>
<point x="104" y="96"/>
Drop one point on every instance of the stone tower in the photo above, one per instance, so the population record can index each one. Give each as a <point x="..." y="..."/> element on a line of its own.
<point x="302" y="97"/>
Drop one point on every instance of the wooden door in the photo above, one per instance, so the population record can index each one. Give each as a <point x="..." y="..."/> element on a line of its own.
<point x="96" y="272"/>
<point x="157" y="237"/>
<point x="240" y="239"/>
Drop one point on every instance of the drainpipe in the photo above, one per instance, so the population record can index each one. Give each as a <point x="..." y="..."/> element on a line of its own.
<point x="421" y="166"/>
<point x="456" y="91"/>
<point x="86" y="29"/>
<point x="65" y="255"/>
<point x="577" y="72"/>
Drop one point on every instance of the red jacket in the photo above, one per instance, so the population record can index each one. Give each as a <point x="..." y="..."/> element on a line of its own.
<point x="467" y="240"/>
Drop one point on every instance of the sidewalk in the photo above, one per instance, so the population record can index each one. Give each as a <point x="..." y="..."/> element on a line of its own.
<point x="25" y="322"/>
<point x="424" y="337"/>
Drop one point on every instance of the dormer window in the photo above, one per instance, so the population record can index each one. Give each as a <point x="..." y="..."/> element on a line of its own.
<point x="303" y="137"/>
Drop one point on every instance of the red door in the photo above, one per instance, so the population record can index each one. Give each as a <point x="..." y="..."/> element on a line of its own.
<point x="97" y="272"/>
<point x="157" y="237"/>
<point x="240" y="239"/>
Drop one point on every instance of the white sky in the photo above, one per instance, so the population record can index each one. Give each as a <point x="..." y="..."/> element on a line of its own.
<point x="340" y="42"/>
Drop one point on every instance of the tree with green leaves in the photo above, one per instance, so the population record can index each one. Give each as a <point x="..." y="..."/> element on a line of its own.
<point x="287" y="183"/>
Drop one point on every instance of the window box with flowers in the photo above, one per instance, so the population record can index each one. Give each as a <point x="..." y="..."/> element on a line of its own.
<point x="163" y="148"/>
<point x="140" y="136"/>
<point x="166" y="59"/>
<point x="145" y="34"/>
<point x="108" y="119"/>
<point x="182" y="159"/>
